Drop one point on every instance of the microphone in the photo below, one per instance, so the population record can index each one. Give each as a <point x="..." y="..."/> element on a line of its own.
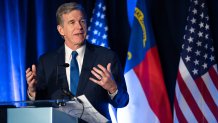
<point x="71" y="96"/>
<point x="68" y="94"/>
<point x="57" y="69"/>
<point x="64" y="65"/>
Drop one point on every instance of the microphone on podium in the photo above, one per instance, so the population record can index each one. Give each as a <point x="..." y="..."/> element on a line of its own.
<point x="71" y="96"/>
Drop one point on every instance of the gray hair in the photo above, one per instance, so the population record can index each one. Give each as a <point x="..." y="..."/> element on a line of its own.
<point x="67" y="8"/>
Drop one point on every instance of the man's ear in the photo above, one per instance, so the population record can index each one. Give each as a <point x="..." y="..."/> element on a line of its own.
<point x="60" y="30"/>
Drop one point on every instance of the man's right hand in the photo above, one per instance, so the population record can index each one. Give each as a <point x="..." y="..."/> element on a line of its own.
<point x="31" y="81"/>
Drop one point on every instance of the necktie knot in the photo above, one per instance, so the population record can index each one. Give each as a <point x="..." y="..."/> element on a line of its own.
<point x="74" y="54"/>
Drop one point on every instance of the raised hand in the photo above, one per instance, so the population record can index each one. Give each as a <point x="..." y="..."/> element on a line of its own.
<point x="31" y="80"/>
<point x="104" y="78"/>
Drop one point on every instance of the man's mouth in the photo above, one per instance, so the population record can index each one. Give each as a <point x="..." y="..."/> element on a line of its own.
<point x="78" y="34"/>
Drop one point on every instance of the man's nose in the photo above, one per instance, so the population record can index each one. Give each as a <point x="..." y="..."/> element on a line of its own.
<point x="78" y="25"/>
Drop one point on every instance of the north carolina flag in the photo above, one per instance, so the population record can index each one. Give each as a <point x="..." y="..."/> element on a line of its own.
<point x="148" y="97"/>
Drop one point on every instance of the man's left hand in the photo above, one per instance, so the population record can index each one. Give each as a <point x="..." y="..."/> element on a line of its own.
<point x="104" y="78"/>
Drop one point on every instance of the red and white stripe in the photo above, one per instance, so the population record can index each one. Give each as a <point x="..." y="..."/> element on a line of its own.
<point x="138" y="109"/>
<point x="148" y="100"/>
<point x="196" y="100"/>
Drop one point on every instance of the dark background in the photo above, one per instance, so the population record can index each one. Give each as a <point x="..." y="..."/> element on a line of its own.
<point x="168" y="19"/>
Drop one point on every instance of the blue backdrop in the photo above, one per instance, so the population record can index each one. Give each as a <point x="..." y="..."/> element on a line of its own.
<point x="13" y="18"/>
<point x="25" y="29"/>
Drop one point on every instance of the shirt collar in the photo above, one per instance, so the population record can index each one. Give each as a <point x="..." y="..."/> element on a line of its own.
<point x="80" y="51"/>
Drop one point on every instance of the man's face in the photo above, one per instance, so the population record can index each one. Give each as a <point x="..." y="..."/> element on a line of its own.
<point x="73" y="28"/>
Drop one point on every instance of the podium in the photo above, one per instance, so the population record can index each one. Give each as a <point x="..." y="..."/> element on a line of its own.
<point x="51" y="111"/>
<point x="38" y="115"/>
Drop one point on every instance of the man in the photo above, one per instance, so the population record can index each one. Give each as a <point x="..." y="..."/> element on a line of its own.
<point x="101" y="78"/>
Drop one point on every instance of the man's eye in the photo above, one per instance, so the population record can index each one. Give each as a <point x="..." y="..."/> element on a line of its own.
<point x="72" y="22"/>
<point x="83" y="21"/>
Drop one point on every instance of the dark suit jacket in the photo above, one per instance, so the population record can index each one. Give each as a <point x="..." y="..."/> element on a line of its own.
<point x="48" y="87"/>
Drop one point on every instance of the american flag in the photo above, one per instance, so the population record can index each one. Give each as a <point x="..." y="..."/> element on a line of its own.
<point x="97" y="34"/>
<point x="196" y="96"/>
<point x="97" y="31"/>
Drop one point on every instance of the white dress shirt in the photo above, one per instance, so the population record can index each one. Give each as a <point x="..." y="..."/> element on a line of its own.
<point x="79" y="58"/>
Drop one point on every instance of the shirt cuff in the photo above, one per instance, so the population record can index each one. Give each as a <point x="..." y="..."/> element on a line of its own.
<point x="113" y="94"/>
<point x="30" y="97"/>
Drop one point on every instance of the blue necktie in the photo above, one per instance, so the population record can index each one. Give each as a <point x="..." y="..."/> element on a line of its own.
<point x="74" y="73"/>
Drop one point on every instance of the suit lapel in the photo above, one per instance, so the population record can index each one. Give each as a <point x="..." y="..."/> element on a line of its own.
<point x="88" y="61"/>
